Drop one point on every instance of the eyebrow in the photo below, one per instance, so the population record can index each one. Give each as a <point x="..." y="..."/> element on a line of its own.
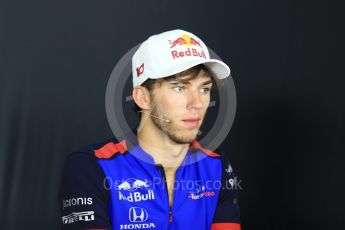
<point x="186" y="82"/>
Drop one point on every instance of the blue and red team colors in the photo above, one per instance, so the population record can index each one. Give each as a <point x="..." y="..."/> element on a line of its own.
<point x="105" y="186"/>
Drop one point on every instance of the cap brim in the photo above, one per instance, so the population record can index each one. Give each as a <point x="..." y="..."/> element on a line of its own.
<point x="217" y="68"/>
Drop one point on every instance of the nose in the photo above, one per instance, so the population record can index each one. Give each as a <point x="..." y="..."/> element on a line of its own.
<point x="195" y="101"/>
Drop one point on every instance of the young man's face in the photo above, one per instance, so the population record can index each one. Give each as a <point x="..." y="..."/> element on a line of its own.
<point x="183" y="101"/>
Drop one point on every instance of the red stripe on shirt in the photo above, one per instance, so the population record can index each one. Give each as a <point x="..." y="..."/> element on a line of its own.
<point x="225" y="226"/>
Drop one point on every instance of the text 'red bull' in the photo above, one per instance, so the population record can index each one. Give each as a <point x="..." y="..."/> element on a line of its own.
<point x="188" y="52"/>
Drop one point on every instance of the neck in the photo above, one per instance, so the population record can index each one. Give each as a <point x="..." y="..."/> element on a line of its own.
<point x="163" y="150"/>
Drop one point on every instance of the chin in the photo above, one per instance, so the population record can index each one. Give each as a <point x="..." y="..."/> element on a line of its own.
<point x="184" y="139"/>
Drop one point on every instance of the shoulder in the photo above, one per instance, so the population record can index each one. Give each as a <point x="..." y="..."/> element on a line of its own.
<point x="85" y="161"/>
<point x="101" y="150"/>
<point x="219" y="158"/>
<point x="196" y="146"/>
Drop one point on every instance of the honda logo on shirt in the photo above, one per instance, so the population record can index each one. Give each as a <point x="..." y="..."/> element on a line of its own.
<point x="137" y="214"/>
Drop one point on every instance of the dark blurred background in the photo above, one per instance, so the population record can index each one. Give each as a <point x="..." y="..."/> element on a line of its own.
<point x="287" y="143"/>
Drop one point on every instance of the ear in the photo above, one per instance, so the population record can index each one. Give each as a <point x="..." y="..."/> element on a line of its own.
<point x="141" y="97"/>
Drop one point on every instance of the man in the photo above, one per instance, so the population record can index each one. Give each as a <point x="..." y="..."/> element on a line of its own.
<point x="168" y="180"/>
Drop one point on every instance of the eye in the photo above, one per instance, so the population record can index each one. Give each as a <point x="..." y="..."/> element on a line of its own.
<point x="205" y="90"/>
<point x="178" y="89"/>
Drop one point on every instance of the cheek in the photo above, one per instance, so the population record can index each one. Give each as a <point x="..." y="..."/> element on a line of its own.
<point x="206" y="99"/>
<point x="172" y="103"/>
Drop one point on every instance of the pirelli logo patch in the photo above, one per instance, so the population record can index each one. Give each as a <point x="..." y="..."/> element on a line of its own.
<point x="78" y="216"/>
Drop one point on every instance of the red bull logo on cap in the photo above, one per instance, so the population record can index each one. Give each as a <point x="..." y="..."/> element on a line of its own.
<point x="186" y="41"/>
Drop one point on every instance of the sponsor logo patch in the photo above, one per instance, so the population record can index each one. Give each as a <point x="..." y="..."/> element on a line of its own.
<point x="132" y="184"/>
<point x="229" y="169"/>
<point x="200" y="193"/>
<point x="185" y="46"/>
<point x="76" y="201"/>
<point x="137" y="216"/>
<point x="135" y="190"/>
<point x="78" y="216"/>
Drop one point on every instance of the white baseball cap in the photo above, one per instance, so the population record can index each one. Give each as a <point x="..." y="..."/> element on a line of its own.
<point x="172" y="52"/>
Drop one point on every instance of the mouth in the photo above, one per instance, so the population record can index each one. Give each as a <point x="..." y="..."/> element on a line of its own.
<point x="192" y="122"/>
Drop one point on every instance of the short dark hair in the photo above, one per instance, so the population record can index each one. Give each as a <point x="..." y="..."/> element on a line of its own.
<point x="194" y="71"/>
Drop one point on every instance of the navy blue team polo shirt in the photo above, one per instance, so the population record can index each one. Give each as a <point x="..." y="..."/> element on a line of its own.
<point x="106" y="186"/>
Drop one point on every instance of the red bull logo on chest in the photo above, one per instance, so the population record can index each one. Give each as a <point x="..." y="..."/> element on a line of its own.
<point x="191" y="47"/>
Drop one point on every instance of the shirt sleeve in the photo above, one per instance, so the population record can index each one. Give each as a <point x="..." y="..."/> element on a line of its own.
<point x="83" y="195"/>
<point x="227" y="214"/>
